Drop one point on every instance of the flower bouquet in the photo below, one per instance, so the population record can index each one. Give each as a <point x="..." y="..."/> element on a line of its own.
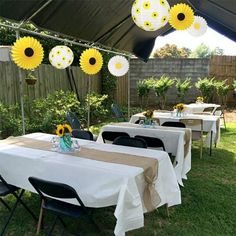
<point x="64" y="133"/>
<point x="148" y="117"/>
<point x="179" y="109"/>
<point x="199" y="99"/>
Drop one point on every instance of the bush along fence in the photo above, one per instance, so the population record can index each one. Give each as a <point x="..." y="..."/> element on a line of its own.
<point x="209" y="88"/>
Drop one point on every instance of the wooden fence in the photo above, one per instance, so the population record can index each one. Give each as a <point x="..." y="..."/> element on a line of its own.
<point x="224" y="68"/>
<point x="220" y="67"/>
<point x="49" y="80"/>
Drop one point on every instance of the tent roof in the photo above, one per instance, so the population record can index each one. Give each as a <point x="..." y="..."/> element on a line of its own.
<point x="108" y="22"/>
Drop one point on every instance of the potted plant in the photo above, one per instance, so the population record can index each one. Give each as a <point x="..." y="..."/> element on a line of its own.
<point x="30" y="79"/>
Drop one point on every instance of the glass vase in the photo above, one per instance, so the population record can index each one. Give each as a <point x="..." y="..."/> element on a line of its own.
<point x="66" y="143"/>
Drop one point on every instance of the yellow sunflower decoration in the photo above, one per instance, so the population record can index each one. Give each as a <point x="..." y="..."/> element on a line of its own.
<point x="67" y="128"/>
<point x="60" y="130"/>
<point x="181" y="16"/>
<point x="27" y="53"/>
<point x="91" y="61"/>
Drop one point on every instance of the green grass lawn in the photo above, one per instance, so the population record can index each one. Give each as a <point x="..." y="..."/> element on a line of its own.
<point x="208" y="201"/>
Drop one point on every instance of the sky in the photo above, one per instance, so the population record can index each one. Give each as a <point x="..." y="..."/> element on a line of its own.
<point x="211" y="38"/>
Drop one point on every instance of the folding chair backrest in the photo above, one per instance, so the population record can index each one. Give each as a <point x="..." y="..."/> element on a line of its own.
<point x="54" y="189"/>
<point x="196" y="125"/>
<point x="116" y="111"/>
<point x="219" y="111"/>
<point x="152" y="142"/>
<point x="139" y="119"/>
<point x="112" y="135"/>
<point x="73" y="120"/>
<point x="82" y="134"/>
<point x="131" y="142"/>
<point x="209" y="109"/>
<point x="174" y="124"/>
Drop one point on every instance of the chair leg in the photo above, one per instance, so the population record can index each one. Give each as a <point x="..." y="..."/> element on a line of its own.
<point x="224" y="122"/>
<point x="12" y="212"/>
<point x="40" y="218"/>
<point x="211" y="143"/>
<point x="62" y="221"/>
<point x="53" y="225"/>
<point x="201" y="146"/>
<point x="25" y="206"/>
<point x="167" y="210"/>
<point x="5" y="204"/>
<point x="88" y="217"/>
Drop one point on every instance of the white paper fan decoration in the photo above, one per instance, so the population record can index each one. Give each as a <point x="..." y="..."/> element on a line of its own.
<point x="61" y="57"/>
<point x="199" y="26"/>
<point x="150" y="15"/>
<point x="118" y="66"/>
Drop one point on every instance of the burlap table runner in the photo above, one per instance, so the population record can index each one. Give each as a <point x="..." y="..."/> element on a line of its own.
<point x="150" y="165"/>
<point x="187" y="135"/>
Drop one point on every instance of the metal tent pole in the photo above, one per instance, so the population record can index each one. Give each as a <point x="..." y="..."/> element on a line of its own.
<point x="89" y="85"/>
<point x="129" y="90"/>
<point x="58" y="38"/>
<point x="21" y="93"/>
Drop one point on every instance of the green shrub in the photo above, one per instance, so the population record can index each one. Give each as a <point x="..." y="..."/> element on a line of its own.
<point x="161" y="87"/>
<point x="234" y="86"/>
<point x="98" y="108"/>
<point x="45" y="113"/>
<point x="143" y="90"/>
<point x="9" y="123"/>
<point x="207" y="88"/>
<point x="182" y="88"/>
<point x="222" y="89"/>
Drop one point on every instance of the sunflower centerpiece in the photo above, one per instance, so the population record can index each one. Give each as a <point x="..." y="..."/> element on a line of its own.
<point x="64" y="133"/>
<point x="199" y="99"/>
<point x="148" y="117"/>
<point x="179" y="108"/>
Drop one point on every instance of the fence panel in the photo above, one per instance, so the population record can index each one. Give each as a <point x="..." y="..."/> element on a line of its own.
<point x="49" y="80"/>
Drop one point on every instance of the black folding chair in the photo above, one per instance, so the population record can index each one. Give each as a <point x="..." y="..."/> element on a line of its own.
<point x="131" y="142"/>
<point x="112" y="135"/>
<point x="174" y="124"/>
<point x="117" y="113"/>
<point x="82" y="134"/>
<point x="5" y="190"/>
<point x="57" y="207"/>
<point x="152" y="142"/>
<point x="73" y="120"/>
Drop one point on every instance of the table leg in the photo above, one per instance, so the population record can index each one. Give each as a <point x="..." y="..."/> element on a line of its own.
<point x="40" y="218"/>
<point x="211" y="142"/>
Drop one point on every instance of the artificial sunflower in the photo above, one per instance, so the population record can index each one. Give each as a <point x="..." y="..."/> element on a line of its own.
<point x="91" y="61"/>
<point x="60" y="130"/>
<point x="181" y="16"/>
<point x="27" y="53"/>
<point x="67" y="128"/>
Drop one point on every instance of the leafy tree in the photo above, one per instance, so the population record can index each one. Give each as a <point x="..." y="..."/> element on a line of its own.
<point x="182" y="87"/>
<point x="201" y="51"/>
<point x="204" y="51"/>
<point x="218" y="51"/>
<point x="172" y="51"/>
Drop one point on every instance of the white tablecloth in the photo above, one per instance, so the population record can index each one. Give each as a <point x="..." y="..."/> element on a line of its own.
<point x="210" y="123"/>
<point x="198" y="107"/>
<point x="99" y="184"/>
<point x="173" y="139"/>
